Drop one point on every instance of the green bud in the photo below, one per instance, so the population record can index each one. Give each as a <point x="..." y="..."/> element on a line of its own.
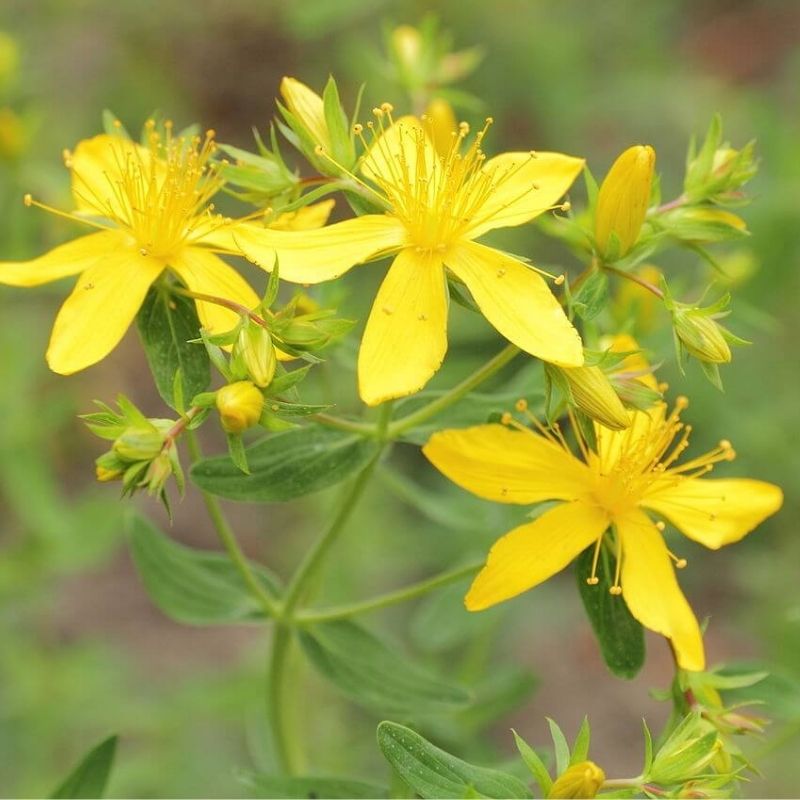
<point x="687" y="753"/>
<point x="240" y="405"/>
<point x="139" y="444"/>
<point x="583" y="779"/>
<point x="109" y="467"/>
<point x="701" y="335"/>
<point x="255" y="353"/>
<point x="158" y="473"/>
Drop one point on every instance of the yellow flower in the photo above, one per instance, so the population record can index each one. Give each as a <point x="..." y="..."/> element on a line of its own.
<point x="607" y="496"/>
<point x="624" y="197"/>
<point x="583" y="779"/>
<point x="434" y="210"/>
<point x="152" y="208"/>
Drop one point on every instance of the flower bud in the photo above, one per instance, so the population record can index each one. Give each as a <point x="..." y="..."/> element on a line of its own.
<point x="239" y="405"/>
<point x="256" y="353"/>
<point x="623" y="200"/>
<point x="593" y="394"/>
<point x="701" y="336"/>
<point x="583" y="779"/>
<point x="139" y="444"/>
<point x="308" y="110"/>
<point x="406" y="42"/>
<point x="108" y="467"/>
<point x="442" y="124"/>
<point x="158" y="473"/>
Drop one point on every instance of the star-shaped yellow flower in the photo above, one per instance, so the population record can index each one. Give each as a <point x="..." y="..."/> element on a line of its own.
<point x="152" y="208"/>
<point x="435" y="209"/>
<point x="608" y="496"/>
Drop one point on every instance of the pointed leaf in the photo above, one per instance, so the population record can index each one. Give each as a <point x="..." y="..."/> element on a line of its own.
<point x="89" y="778"/>
<point x="433" y="773"/>
<point x="373" y="674"/>
<point x="286" y="465"/>
<point x="534" y="764"/>
<point x="620" y="636"/>
<point x="167" y="323"/>
<point x="197" y="587"/>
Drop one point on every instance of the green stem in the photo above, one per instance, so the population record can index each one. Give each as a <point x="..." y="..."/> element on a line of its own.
<point x="630" y="276"/>
<point x="281" y="645"/>
<point x="494" y="365"/>
<point x="330" y="421"/>
<point x="389" y="599"/>
<point x="229" y="541"/>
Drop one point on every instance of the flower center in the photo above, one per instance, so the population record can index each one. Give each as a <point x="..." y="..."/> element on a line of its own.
<point x="159" y="192"/>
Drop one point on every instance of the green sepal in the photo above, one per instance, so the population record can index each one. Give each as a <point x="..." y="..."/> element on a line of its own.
<point x="88" y="780"/>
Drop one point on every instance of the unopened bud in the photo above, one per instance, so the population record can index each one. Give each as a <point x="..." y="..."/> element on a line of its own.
<point x="308" y="109"/>
<point x="623" y="199"/>
<point x="158" y="473"/>
<point x="595" y="396"/>
<point x="583" y="779"/>
<point x="239" y="405"/>
<point x="139" y="444"/>
<point x="442" y="125"/>
<point x="407" y="45"/>
<point x="701" y="336"/>
<point x="256" y="353"/>
<point x="109" y="467"/>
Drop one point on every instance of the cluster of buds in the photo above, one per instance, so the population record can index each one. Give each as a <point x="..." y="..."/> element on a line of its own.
<point x="717" y="172"/>
<point x="143" y="454"/>
<point x="422" y="59"/>
<point x="698" y="333"/>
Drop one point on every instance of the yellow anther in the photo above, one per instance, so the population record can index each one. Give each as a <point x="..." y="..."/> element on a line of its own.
<point x="210" y="133"/>
<point x="615" y="590"/>
<point x="506" y="419"/>
<point x="358" y="129"/>
<point x="663" y="386"/>
<point x="593" y="581"/>
<point x="681" y="402"/>
<point x="521" y="404"/>
<point x="559" y="279"/>
<point x="725" y="444"/>
<point x="387" y="108"/>
<point x="377" y="112"/>
<point x="28" y="200"/>
<point x="661" y="525"/>
<point x="566" y="205"/>
<point x="681" y="563"/>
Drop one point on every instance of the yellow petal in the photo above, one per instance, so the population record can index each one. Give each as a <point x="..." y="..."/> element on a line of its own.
<point x="304" y="219"/>
<point x="714" y="512"/>
<point x="524" y="186"/>
<point x="101" y="307"/>
<point x="205" y="273"/>
<point x="651" y="590"/>
<point x="406" y="335"/>
<point x="507" y="466"/>
<point x="98" y="165"/>
<point x="66" y="259"/>
<point x="518" y="302"/>
<point x="317" y="255"/>
<point x="533" y="552"/>
<point x="397" y="151"/>
<point x="443" y="124"/>
<point x="308" y="107"/>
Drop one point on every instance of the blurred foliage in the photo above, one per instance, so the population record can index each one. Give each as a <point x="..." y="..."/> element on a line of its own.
<point x="85" y="658"/>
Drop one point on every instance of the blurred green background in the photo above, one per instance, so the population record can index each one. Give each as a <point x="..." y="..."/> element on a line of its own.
<point x="85" y="654"/>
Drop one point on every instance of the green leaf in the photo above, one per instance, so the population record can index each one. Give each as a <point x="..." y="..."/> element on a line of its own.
<point x="372" y="674"/>
<point x="89" y="778"/>
<point x="534" y="764"/>
<point x="197" y="587"/>
<point x="620" y="636"/>
<point x="167" y="322"/>
<point x="281" y="786"/>
<point x="286" y="465"/>
<point x="433" y="773"/>
<point x="580" y="748"/>
<point x="560" y="746"/>
<point x="590" y="298"/>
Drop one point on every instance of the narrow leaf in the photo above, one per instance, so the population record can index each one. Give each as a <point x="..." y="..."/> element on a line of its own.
<point x="88" y="780"/>
<point x="167" y="323"/>
<point x="286" y="465"/>
<point x="534" y="764"/>
<point x="433" y="773"/>
<point x="197" y="587"/>
<point x="373" y="674"/>
<point x="560" y="746"/>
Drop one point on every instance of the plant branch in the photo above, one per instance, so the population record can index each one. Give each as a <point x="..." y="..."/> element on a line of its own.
<point x="494" y="365"/>
<point x="311" y="617"/>
<point x="630" y="276"/>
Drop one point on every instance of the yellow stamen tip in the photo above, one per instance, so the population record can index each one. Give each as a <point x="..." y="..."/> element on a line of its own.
<point x="566" y="206"/>
<point x="506" y="418"/>
<point x="660" y="525"/>
<point x="28" y="200"/>
<point x="681" y="401"/>
<point x="593" y="581"/>
<point x="681" y="563"/>
<point x="615" y="590"/>
<point x="725" y="444"/>
<point x="559" y="279"/>
<point x="521" y="404"/>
